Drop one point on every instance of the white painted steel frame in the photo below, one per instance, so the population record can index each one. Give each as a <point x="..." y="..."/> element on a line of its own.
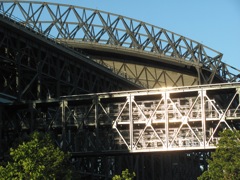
<point x="198" y="137"/>
<point x="169" y="119"/>
<point x="183" y="118"/>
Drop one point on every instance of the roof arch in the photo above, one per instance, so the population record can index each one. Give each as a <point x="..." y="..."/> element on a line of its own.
<point x="93" y="29"/>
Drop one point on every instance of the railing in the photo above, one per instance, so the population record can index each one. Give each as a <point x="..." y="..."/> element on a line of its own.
<point x="186" y="118"/>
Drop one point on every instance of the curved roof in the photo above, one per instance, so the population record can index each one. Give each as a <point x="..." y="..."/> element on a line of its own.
<point x="94" y="29"/>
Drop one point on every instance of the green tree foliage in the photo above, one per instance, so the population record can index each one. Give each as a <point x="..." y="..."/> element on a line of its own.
<point x="36" y="159"/>
<point x="225" y="161"/>
<point x="126" y="175"/>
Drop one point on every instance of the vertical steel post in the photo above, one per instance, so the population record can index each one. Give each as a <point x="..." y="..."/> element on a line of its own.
<point x="39" y="81"/>
<point x="238" y="92"/>
<point x="130" y="98"/>
<point x="18" y="72"/>
<point x="198" y="76"/>
<point x="166" y="96"/>
<point x="202" y="96"/>
<point x="95" y="101"/>
<point x="63" y="105"/>
<point x="32" y="119"/>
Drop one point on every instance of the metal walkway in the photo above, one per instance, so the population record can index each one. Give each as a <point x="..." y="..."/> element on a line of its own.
<point x="158" y="133"/>
<point x="169" y="119"/>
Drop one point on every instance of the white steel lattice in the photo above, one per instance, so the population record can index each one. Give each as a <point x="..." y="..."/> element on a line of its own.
<point x="184" y="118"/>
<point x="168" y="123"/>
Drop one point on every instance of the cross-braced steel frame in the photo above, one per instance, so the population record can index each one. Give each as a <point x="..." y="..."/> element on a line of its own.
<point x="34" y="67"/>
<point x="109" y="132"/>
<point x="106" y="32"/>
<point x="186" y="118"/>
<point x="108" y="125"/>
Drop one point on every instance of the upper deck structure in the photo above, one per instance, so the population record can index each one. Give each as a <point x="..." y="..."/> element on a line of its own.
<point x="116" y="92"/>
<point x="147" y="55"/>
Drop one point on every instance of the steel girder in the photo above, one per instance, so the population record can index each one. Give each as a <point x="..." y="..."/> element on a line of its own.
<point x="33" y="67"/>
<point x="102" y="129"/>
<point x="187" y="118"/>
<point x="93" y="29"/>
<point x="87" y="125"/>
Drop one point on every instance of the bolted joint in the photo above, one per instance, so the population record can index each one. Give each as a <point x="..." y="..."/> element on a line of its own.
<point x="202" y="92"/>
<point x="130" y="98"/>
<point x="63" y="104"/>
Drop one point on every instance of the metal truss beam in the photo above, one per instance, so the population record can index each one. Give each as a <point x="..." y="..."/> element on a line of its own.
<point x="166" y="132"/>
<point x="93" y="29"/>
<point x="173" y="119"/>
<point x="33" y="67"/>
<point x="158" y="133"/>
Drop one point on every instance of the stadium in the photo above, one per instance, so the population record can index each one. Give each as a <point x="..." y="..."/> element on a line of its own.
<point x="116" y="92"/>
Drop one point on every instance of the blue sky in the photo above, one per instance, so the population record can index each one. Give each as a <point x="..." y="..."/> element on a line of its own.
<point x="214" y="23"/>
